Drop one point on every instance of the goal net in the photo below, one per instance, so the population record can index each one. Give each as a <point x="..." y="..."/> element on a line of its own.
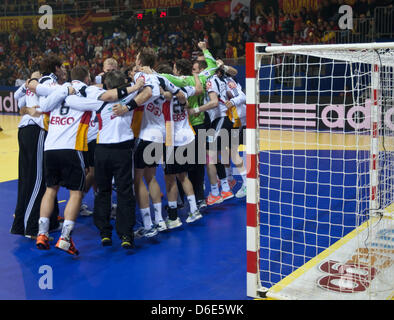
<point x="320" y="150"/>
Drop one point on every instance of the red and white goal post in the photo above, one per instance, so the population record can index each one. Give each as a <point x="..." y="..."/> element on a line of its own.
<point x="320" y="157"/>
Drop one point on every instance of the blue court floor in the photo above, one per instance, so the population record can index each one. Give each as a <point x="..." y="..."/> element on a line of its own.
<point x="202" y="261"/>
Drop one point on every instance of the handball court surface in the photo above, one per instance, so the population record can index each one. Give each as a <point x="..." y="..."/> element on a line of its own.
<point x="205" y="260"/>
<point x="201" y="261"/>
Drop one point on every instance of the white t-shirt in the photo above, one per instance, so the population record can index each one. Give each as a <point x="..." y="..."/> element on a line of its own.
<point x="183" y="132"/>
<point x="237" y="97"/>
<point x="218" y="86"/>
<point x="111" y="129"/>
<point x="68" y="127"/>
<point x="32" y="99"/>
<point x="91" y="92"/>
<point x="156" y="111"/>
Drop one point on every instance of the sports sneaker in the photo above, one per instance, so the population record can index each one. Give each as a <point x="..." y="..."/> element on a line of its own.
<point x="67" y="245"/>
<point x="227" y="195"/>
<point x="113" y="210"/>
<point x="232" y="183"/>
<point x="106" y="241"/>
<point x="172" y="224"/>
<point x="201" y="205"/>
<point x="151" y="232"/>
<point x="147" y="233"/>
<point x="84" y="211"/>
<point x="241" y="193"/>
<point x="28" y="236"/>
<point x="126" y="242"/>
<point x="42" y="242"/>
<point x="194" y="217"/>
<point x="211" y="200"/>
<point x="139" y="233"/>
<point x="161" y="226"/>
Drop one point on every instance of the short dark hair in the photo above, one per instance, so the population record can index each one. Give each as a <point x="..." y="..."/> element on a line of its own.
<point x="148" y="57"/>
<point x="79" y="73"/>
<point x="202" y="64"/>
<point x="114" y="79"/>
<point x="49" y="64"/>
<point x="164" y="68"/>
<point x="184" y="67"/>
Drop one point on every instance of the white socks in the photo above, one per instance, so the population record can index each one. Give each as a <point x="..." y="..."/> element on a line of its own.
<point x="243" y="175"/>
<point x="172" y="204"/>
<point x="225" y="185"/>
<point x="157" y="209"/>
<point x="192" y="203"/>
<point x="215" y="190"/>
<point x="43" y="226"/>
<point x="68" y="227"/>
<point x="146" y="218"/>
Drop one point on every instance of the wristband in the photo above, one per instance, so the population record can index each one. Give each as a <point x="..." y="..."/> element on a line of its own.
<point x="122" y="92"/>
<point x="197" y="110"/>
<point x="225" y="68"/>
<point x="132" y="105"/>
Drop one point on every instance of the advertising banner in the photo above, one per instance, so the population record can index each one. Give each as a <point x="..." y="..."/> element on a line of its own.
<point x="7" y="102"/>
<point x="149" y="4"/>
<point x="319" y="113"/>
<point x="8" y="24"/>
<point x="293" y="6"/>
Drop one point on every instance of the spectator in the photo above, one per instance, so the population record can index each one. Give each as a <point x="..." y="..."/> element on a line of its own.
<point x="216" y="42"/>
<point x="231" y="51"/>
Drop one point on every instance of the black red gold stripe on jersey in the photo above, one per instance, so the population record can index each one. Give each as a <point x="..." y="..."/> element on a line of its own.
<point x="81" y="142"/>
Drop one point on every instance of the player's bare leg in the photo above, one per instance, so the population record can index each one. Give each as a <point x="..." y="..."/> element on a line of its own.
<point x="187" y="186"/>
<point x="142" y="195"/>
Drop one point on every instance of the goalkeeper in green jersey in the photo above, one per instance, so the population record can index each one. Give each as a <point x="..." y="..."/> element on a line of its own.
<point x="205" y="66"/>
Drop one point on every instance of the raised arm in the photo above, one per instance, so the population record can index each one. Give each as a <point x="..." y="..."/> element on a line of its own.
<point x="198" y="86"/>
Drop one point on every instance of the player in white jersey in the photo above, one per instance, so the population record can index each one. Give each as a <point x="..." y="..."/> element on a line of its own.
<point x="178" y="157"/>
<point x="236" y="104"/>
<point x="31" y="137"/>
<point x="218" y="137"/>
<point x="151" y="137"/>
<point x="64" y="166"/>
<point x="93" y="92"/>
<point x="77" y="136"/>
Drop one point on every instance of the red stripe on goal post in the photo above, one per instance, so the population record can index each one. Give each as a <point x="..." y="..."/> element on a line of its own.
<point x="251" y="116"/>
<point x="251" y="257"/>
<point x="251" y="166"/>
<point x="251" y="216"/>
<point x="252" y="221"/>
<point x="250" y="71"/>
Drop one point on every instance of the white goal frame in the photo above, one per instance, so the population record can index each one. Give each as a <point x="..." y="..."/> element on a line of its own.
<point x="254" y="52"/>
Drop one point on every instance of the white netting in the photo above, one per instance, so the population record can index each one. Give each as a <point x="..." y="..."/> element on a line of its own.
<point x="314" y="117"/>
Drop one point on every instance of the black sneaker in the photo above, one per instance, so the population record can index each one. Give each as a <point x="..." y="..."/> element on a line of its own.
<point x="106" y="241"/>
<point x="126" y="242"/>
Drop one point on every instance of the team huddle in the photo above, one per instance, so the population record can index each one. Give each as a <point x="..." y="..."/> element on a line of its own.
<point x="113" y="133"/>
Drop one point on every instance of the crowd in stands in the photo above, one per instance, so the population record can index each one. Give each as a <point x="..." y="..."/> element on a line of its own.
<point x="20" y="51"/>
